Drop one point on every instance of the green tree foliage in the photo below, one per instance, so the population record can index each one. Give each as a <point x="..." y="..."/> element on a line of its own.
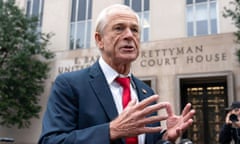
<point x="23" y="65"/>
<point x="234" y="14"/>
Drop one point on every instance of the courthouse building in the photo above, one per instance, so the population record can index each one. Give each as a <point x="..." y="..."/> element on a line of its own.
<point x="187" y="55"/>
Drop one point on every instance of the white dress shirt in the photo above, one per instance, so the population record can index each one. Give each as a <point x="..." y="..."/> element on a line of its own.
<point x="116" y="89"/>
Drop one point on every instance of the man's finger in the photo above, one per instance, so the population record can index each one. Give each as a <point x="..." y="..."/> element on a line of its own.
<point x="154" y="108"/>
<point x="152" y="119"/>
<point x="189" y="115"/>
<point x="146" y="102"/>
<point x="186" y="109"/>
<point x="169" y="110"/>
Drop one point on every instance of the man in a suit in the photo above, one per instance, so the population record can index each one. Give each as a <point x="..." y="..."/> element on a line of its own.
<point x="85" y="107"/>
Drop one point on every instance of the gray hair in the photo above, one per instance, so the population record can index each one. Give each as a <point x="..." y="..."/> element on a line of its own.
<point x="102" y="19"/>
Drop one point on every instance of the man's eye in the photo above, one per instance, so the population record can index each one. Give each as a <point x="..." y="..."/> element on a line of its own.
<point x="135" y="30"/>
<point x="119" y="28"/>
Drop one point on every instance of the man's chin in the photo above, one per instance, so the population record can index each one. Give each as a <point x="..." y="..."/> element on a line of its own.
<point x="131" y="56"/>
<point x="129" y="60"/>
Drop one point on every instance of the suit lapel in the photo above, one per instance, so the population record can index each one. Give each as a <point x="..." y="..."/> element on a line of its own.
<point x="102" y="91"/>
<point x="142" y="91"/>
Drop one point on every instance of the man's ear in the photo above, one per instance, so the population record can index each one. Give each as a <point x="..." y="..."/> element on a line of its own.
<point x="99" y="40"/>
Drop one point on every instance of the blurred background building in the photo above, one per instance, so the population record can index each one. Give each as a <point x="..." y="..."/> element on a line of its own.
<point x="187" y="55"/>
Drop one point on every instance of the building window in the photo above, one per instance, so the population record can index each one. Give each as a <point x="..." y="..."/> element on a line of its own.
<point x="35" y="8"/>
<point x="80" y="32"/>
<point x="201" y="17"/>
<point x="142" y="8"/>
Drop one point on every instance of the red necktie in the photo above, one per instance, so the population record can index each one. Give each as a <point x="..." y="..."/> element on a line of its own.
<point x="126" y="97"/>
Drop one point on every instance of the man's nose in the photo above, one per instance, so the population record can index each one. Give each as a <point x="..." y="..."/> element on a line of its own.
<point x="128" y="33"/>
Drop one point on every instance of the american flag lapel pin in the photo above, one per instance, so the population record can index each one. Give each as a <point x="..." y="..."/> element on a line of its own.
<point x="144" y="91"/>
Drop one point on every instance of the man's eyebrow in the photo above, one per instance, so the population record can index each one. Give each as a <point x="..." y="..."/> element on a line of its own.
<point x="135" y="25"/>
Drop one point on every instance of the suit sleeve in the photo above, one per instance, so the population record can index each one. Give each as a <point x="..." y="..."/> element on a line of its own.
<point x="59" y="124"/>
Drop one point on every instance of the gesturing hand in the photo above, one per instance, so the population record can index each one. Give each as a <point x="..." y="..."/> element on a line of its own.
<point x="177" y="124"/>
<point x="133" y="120"/>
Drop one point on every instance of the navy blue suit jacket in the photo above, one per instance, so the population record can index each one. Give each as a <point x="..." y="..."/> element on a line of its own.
<point x="81" y="106"/>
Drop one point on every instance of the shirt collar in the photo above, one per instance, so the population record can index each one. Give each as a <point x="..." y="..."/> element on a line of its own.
<point x="109" y="73"/>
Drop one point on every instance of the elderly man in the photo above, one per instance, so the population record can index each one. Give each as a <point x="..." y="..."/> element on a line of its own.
<point x="105" y="103"/>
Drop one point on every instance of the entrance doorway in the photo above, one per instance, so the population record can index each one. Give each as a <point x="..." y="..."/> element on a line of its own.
<point x="209" y="95"/>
